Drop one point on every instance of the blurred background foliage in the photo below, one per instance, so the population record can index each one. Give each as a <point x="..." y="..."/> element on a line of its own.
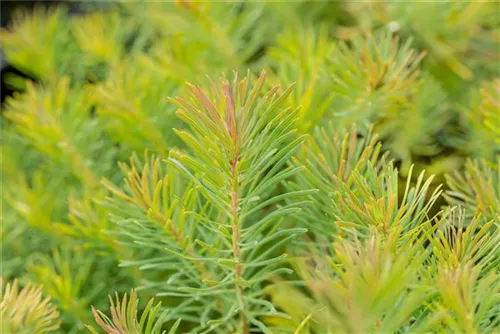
<point x="417" y="82"/>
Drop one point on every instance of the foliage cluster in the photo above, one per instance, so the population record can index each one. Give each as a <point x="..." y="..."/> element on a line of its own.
<point x="342" y="175"/>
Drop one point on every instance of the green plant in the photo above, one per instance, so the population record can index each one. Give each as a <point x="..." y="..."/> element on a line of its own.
<point x="323" y="171"/>
<point x="126" y="320"/>
<point x="26" y="310"/>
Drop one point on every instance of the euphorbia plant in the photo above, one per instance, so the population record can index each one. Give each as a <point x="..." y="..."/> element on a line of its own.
<point x="347" y="188"/>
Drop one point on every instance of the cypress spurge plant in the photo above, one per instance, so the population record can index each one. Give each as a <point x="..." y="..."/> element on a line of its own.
<point x="26" y="310"/>
<point x="220" y="232"/>
<point x="124" y="317"/>
<point x="242" y="141"/>
<point x="355" y="190"/>
<point x="478" y="189"/>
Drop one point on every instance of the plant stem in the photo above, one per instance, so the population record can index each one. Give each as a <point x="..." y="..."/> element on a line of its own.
<point x="232" y="129"/>
<point x="236" y="243"/>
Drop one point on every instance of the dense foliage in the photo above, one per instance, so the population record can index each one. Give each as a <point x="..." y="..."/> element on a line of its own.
<point x="331" y="167"/>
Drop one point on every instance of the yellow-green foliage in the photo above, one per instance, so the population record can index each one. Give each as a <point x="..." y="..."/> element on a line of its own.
<point x="125" y="319"/>
<point x="256" y="167"/>
<point x="27" y="310"/>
